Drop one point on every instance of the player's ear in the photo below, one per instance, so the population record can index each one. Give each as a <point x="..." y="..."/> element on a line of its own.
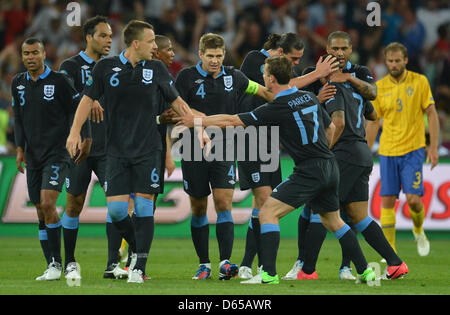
<point x="135" y="44"/>
<point x="280" y="51"/>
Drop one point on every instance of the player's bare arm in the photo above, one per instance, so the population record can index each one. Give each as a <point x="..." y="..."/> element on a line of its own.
<point x="433" y="128"/>
<point x="73" y="143"/>
<point x="372" y="128"/>
<point x="329" y="133"/>
<point x="323" y="69"/>
<point x="372" y="116"/>
<point x="338" y="118"/>
<point x="220" y="121"/>
<point x="366" y="89"/>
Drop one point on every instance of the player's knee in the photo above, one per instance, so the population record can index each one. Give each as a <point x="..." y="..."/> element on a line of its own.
<point x="222" y="204"/>
<point x="414" y="202"/>
<point x="74" y="205"/>
<point x="47" y="206"/>
<point x="198" y="206"/>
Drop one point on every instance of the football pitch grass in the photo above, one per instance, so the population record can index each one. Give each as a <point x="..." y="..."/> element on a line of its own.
<point x="172" y="263"/>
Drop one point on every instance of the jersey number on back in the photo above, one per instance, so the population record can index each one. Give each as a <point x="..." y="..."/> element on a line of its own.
<point x="308" y="110"/>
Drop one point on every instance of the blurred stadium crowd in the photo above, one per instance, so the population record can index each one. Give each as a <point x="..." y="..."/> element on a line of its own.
<point x="422" y="26"/>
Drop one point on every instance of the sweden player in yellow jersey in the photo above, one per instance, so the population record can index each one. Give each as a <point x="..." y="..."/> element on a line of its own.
<point x="403" y="98"/>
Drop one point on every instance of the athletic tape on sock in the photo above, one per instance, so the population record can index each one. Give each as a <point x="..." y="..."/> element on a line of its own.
<point x="69" y="222"/>
<point x="269" y="227"/>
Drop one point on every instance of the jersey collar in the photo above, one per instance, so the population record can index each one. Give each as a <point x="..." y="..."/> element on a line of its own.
<point x="86" y="58"/>
<point x="124" y="59"/>
<point x="42" y="76"/>
<point x="204" y="73"/>
<point x="401" y="81"/>
<point x="287" y="92"/>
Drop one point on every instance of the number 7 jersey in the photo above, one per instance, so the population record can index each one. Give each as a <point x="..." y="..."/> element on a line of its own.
<point x="302" y="122"/>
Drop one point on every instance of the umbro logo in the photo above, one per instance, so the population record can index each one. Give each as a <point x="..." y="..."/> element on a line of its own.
<point x="199" y="81"/>
<point x="85" y="67"/>
<point x="155" y="185"/>
<point x="53" y="182"/>
<point x="117" y="69"/>
<point x="20" y="87"/>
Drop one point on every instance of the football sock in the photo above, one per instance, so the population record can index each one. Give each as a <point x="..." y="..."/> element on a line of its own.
<point x="114" y="241"/>
<point x="374" y="237"/>
<point x="250" y="247"/>
<point x="43" y="239"/>
<point x="118" y="211"/>
<point x="417" y="218"/>
<point x="303" y="223"/>
<point x="70" y="232"/>
<point x="315" y="236"/>
<point x="257" y="232"/>
<point x="54" y="240"/>
<point x="225" y="234"/>
<point x="200" y="237"/>
<point x="270" y="240"/>
<point x="145" y="227"/>
<point x="350" y="245"/>
<point x="346" y="260"/>
<point x="387" y="220"/>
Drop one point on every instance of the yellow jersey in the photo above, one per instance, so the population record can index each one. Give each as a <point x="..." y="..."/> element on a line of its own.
<point x="401" y="105"/>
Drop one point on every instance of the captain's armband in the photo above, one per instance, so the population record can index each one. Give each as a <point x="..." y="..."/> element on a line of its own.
<point x="252" y="87"/>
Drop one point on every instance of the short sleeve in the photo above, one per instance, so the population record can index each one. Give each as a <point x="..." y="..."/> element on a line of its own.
<point x="166" y="84"/>
<point x="335" y="103"/>
<point x="427" y="98"/>
<point x="94" y="87"/>
<point x="363" y="73"/>
<point x="69" y="95"/>
<point x="182" y="84"/>
<point x="265" y="114"/>
<point x="368" y="108"/>
<point x="241" y="81"/>
<point x="376" y="104"/>
<point x="68" y="67"/>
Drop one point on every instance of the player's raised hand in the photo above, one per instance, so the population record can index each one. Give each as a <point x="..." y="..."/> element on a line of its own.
<point x="73" y="144"/>
<point x="327" y="92"/>
<point x="96" y="114"/>
<point x="327" y="66"/>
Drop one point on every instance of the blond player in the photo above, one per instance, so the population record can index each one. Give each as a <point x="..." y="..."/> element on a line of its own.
<point x="404" y="97"/>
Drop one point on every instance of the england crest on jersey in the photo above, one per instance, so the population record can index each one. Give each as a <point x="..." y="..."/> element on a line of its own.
<point x="256" y="177"/>
<point x="147" y="75"/>
<point x="49" y="91"/>
<point x="228" y="82"/>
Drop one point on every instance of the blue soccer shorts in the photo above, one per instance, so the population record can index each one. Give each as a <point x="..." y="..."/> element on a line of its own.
<point x="402" y="172"/>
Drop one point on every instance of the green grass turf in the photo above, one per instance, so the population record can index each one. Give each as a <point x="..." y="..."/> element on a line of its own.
<point x="173" y="262"/>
